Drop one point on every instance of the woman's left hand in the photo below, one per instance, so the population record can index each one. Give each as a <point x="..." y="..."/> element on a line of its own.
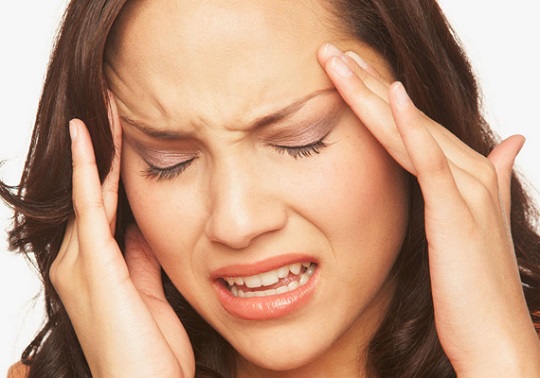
<point x="481" y="315"/>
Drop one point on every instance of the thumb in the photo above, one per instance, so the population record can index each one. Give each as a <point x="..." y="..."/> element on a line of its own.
<point x="503" y="157"/>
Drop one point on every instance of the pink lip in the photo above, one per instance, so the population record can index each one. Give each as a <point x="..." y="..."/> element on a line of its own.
<point x="245" y="270"/>
<point x="263" y="308"/>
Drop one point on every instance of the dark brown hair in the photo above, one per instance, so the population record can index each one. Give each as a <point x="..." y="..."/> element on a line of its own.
<point x="422" y="50"/>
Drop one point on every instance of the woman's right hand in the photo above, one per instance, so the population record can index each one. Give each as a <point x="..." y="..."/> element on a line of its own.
<point x="117" y="306"/>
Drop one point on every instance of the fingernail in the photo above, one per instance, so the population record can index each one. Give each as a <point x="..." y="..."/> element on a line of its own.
<point x="401" y="94"/>
<point x="361" y="62"/>
<point x="72" y="130"/>
<point x="340" y="67"/>
<point x="330" y="50"/>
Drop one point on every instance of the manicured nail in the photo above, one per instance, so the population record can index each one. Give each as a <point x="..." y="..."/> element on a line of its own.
<point x="340" y="67"/>
<point x="361" y="62"/>
<point x="331" y="50"/>
<point x="72" y="130"/>
<point x="401" y="94"/>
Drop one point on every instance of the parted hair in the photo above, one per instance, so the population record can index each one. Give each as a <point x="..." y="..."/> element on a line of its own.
<point x="423" y="52"/>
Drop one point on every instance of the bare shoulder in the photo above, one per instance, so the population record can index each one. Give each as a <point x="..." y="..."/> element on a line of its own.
<point x="18" y="370"/>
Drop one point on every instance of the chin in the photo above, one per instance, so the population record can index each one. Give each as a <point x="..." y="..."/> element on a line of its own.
<point x="281" y="358"/>
<point x="288" y="347"/>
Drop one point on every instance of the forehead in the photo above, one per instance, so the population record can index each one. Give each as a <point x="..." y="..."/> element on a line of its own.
<point x="217" y="26"/>
<point x="215" y="58"/>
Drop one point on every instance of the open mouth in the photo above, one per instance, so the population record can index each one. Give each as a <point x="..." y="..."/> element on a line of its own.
<point x="274" y="282"/>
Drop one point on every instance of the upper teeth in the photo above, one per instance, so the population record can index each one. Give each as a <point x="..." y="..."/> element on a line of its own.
<point x="269" y="278"/>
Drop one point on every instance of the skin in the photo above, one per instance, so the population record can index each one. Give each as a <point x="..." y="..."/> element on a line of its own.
<point x="243" y="201"/>
<point x="124" y="309"/>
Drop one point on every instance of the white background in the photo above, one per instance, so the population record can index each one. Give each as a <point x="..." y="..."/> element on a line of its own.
<point x="501" y="37"/>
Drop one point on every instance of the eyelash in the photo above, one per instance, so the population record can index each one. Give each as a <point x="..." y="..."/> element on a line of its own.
<point x="303" y="151"/>
<point x="167" y="173"/>
<point x="296" y="152"/>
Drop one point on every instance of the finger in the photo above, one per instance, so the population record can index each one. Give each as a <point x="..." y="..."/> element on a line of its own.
<point x="451" y="144"/>
<point x="462" y="158"/>
<point x="378" y="117"/>
<point x="433" y="169"/>
<point x="145" y="272"/>
<point x="368" y="68"/>
<point x="111" y="182"/>
<point x="67" y="254"/>
<point x="503" y="157"/>
<point x="70" y="236"/>
<point x="369" y="75"/>
<point x="87" y="198"/>
<point x="378" y="85"/>
<point x="370" y="109"/>
<point x="144" y="268"/>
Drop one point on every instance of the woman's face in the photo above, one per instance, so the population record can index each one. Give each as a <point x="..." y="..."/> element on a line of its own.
<point x="270" y="206"/>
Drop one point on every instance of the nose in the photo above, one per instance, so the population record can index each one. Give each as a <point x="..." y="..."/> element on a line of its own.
<point x="244" y="206"/>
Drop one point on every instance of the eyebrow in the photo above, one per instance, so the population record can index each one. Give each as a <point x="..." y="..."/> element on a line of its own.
<point x="277" y="116"/>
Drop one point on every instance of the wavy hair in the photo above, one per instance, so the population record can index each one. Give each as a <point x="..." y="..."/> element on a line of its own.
<point x="422" y="50"/>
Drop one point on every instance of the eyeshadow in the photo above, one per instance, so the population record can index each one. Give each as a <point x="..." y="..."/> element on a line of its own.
<point x="308" y="125"/>
<point x="159" y="156"/>
<point x="307" y="129"/>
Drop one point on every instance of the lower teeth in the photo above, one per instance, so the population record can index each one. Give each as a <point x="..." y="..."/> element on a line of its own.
<point x="304" y="278"/>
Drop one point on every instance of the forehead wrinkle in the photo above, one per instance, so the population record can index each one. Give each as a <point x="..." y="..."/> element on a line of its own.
<point x="114" y="76"/>
<point x="154" y="132"/>
<point x="277" y="116"/>
<point x="289" y="110"/>
<point x="258" y="123"/>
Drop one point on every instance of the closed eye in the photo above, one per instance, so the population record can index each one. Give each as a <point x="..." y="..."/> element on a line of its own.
<point x="167" y="173"/>
<point x="173" y="171"/>
<point x="303" y="151"/>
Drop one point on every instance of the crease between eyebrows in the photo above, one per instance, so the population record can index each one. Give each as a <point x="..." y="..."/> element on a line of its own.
<point x="260" y="122"/>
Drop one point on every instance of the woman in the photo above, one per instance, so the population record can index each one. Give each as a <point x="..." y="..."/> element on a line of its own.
<point x="312" y="218"/>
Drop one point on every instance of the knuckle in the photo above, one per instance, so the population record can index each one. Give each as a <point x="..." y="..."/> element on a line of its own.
<point x="111" y="187"/>
<point x="489" y="173"/>
<point x="480" y="194"/>
<point x="57" y="273"/>
<point x="486" y="174"/>
<point x="437" y="166"/>
<point x="53" y="272"/>
<point x="62" y="266"/>
<point x="84" y="164"/>
<point x="81" y="205"/>
<point x="76" y="208"/>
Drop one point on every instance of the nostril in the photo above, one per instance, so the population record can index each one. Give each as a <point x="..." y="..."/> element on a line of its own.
<point x="237" y="224"/>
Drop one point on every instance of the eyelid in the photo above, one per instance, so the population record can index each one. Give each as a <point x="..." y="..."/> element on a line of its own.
<point x="305" y="150"/>
<point x="303" y="137"/>
<point x="309" y="142"/>
<point x="166" y="160"/>
<point x="167" y="173"/>
<point x="306" y="132"/>
<point x="301" y="140"/>
<point x="161" y="158"/>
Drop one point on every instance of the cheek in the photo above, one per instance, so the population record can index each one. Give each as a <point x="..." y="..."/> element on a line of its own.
<point x="353" y="192"/>
<point x="165" y="211"/>
<point x="363" y="212"/>
<point x="357" y="193"/>
<point x="359" y="200"/>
